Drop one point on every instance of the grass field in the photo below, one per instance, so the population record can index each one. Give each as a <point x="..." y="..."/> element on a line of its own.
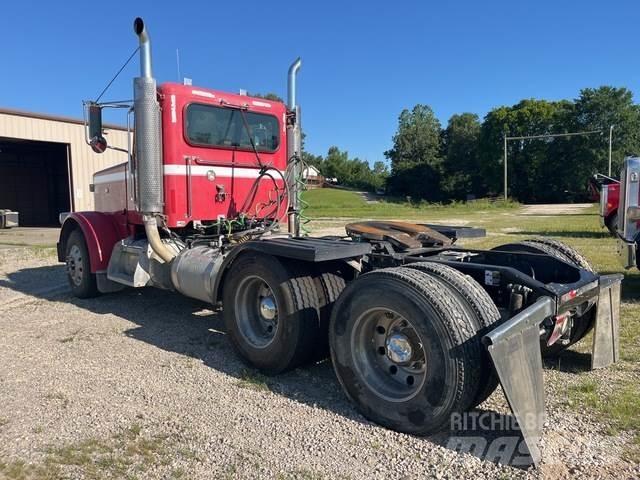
<point x="614" y="395"/>
<point x="329" y="202"/>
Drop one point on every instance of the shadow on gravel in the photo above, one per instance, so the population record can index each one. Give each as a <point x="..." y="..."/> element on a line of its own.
<point x="36" y="281"/>
<point x="569" y="361"/>
<point x="178" y="324"/>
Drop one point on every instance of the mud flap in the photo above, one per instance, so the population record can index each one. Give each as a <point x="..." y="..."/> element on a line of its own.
<point x="606" y="332"/>
<point x="515" y="350"/>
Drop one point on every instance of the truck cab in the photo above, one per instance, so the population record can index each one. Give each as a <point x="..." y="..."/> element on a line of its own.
<point x="215" y="145"/>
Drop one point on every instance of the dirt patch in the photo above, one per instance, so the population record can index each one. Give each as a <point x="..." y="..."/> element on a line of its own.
<point x="555" y="209"/>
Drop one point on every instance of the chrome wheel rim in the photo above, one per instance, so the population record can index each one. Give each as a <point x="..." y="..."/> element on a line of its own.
<point x="388" y="354"/>
<point x="256" y="312"/>
<point x="75" y="268"/>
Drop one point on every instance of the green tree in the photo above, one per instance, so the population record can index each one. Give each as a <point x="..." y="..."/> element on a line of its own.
<point x="460" y="143"/>
<point x="416" y="164"/>
<point x="528" y="160"/>
<point x="274" y="97"/>
<point x="599" y="108"/>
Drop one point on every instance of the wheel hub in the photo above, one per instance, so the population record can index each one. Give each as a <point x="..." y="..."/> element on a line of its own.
<point x="74" y="265"/>
<point x="389" y="354"/>
<point x="398" y="348"/>
<point x="268" y="308"/>
<point x="257" y="311"/>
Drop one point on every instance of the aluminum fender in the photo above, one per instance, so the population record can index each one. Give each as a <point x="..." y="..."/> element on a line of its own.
<point x="515" y="350"/>
<point x="606" y="335"/>
<point x="101" y="232"/>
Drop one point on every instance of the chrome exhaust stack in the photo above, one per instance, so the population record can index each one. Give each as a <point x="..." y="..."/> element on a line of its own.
<point x="148" y="149"/>
<point x="294" y="148"/>
<point x="291" y="84"/>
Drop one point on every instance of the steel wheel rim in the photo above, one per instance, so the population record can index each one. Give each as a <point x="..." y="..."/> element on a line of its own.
<point x="388" y="354"/>
<point x="75" y="268"/>
<point x="256" y="312"/>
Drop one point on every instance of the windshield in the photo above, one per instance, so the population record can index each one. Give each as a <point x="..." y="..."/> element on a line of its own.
<point x="225" y="127"/>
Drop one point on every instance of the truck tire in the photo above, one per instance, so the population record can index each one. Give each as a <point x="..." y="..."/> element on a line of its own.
<point x="329" y="284"/>
<point x="612" y="223"/>
<point x="575" y="257"/>
<point x="404" y="351"/>
<point x="483" y="313"/>
<point x="581" y="325"/>
<point x="270" y="310"/>
<point x="81" y="280"/>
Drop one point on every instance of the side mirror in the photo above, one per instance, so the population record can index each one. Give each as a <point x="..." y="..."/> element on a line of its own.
<point x="96" y="140"/>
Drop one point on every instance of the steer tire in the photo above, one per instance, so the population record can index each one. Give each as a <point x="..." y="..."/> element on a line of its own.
<point x="81" y="280"/>
<point x="271" y="346"/>
<point x="484" y="314"/>
<point x="581" y="325"/>
<point x="433" y="322"/>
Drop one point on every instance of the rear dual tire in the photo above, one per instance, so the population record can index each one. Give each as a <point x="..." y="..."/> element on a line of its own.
<point x="479" y="308"/>
<point x="581" y="325"/>
<point x="405" y="347"/>
<point x="270" y="310"/>
<point x="404" y="350"/>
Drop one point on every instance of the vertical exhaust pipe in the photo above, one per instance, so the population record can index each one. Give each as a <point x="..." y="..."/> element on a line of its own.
<point x="291" y="83"/>
<point x="148" y="150"/>
<point x="294" y="148"/>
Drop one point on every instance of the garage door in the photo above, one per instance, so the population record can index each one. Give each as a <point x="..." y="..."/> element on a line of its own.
<point x="34" y="180"/>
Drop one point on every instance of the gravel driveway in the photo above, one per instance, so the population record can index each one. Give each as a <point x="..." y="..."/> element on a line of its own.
<point x="143" y="384"/>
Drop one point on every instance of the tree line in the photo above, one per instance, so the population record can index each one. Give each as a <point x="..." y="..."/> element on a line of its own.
<point x="465" y="159"/>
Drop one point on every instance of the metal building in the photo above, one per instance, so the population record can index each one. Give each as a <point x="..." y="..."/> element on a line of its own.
<point x="46" y="166"/>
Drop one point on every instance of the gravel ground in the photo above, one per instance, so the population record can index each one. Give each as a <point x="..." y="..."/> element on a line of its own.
<point x="143" y="384"/>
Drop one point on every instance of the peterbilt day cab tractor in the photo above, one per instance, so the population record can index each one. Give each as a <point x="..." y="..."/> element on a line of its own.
<point x="417" y="328"/>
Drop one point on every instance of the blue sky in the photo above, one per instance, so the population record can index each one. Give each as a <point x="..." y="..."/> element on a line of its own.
<point x="363" y="61"/>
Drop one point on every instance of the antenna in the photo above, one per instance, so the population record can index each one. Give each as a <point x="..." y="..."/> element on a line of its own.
<point x="178" y="64"/>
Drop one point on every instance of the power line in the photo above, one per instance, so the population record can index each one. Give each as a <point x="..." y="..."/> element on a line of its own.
<point x="553" y="135"/>
<point x="549" y="135"/>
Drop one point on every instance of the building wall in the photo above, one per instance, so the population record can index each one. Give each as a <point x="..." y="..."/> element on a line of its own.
<point x="84" y="162"/>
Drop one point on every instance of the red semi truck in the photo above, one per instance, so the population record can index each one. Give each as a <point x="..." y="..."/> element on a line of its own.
<point x="628" y="216"/>
<point x="606" y="191"/>
<point x="207" y="204"/>
<point x="619" y="209"/>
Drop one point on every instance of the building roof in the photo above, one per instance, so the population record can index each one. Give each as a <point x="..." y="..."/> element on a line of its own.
<point x="310" y="171"/>
<point x="54" y="118"/>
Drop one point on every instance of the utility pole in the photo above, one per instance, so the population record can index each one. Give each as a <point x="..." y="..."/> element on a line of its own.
<point x="610" y="143"/>
<point x="505" y="168"/>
